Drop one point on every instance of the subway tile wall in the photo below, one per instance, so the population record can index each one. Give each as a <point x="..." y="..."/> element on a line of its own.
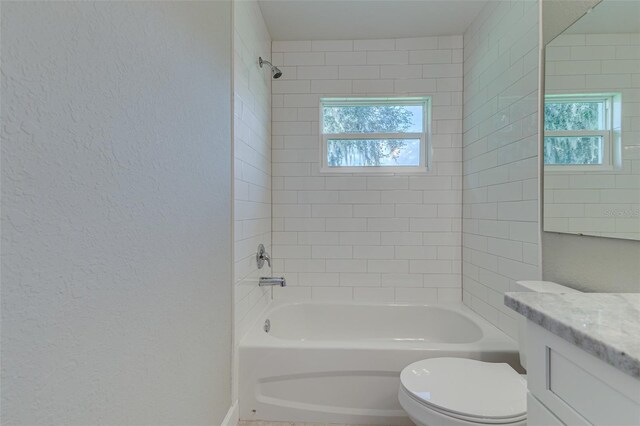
<point x="366" y="238"/>
<point x="500" y="143"/>
<point x="252" y="150"/>
<point x="597" y="203"/>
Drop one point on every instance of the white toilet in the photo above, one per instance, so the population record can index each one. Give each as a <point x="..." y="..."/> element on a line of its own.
<point x="461" y="392"/>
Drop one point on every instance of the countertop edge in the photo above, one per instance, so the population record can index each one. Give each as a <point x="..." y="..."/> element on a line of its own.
<point x="596" y="347"/>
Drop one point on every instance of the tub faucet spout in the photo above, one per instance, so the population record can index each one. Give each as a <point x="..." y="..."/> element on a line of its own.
<point x="267" y="281"/>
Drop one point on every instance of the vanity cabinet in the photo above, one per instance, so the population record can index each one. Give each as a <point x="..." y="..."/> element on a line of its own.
<point x="568" y="386"/>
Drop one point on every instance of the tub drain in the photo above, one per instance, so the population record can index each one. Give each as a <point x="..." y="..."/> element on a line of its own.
<point x="267" y="326"/>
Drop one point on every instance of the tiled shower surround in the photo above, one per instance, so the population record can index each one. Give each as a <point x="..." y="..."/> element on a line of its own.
<point x="252" y="162"/>
<point x="366" y="238"/>
<point x="500" y="203"/>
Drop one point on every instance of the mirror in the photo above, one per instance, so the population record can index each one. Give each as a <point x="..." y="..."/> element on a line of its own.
<point x="592" y="124"/>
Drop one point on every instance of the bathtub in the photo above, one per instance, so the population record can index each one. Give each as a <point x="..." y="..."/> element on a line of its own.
<point x="341" y="362"/>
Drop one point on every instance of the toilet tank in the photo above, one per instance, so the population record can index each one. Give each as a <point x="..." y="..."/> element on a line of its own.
<point x="538" y="287"/>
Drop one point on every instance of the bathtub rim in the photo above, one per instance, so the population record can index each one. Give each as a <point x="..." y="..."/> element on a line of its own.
<point x="493" y="339"/>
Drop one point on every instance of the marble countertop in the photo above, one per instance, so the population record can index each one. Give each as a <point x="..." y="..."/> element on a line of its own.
<point x="606" y="325"/>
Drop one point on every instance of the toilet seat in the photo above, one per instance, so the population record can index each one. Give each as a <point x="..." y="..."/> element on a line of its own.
<point x="468" y="390"/>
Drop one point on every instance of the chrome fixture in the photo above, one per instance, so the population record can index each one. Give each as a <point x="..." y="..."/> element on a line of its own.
<point x="275" y="71"/>
<point x="267" y="326"/>
<point x="262" y="256"/>
<point x="271" y="281"/>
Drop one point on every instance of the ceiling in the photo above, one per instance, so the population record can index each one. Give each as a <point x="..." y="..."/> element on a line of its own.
<point x="609" y="17"/>
<point x="366" y="19"/>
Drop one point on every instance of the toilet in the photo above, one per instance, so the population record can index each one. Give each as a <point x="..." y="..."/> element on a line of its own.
<point x="465" y="392"/>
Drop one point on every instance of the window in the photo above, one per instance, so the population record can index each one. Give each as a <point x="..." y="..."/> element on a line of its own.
<point x="365" y="135"/>
<point x="578" y="132"/>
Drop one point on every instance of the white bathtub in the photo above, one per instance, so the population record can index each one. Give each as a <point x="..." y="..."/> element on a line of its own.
<point x="340" y="362"/>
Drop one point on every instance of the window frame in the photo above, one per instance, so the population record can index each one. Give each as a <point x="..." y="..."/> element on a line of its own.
<point x="424" y="136"/>
<point x="609" y="138"/>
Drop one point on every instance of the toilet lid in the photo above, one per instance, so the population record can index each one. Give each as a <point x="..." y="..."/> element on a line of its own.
<point x="469" y="389"/>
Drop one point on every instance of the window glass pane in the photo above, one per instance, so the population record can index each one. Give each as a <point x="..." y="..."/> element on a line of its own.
<point x="373" y="118"/>
<point x="373" y="152"/>
<point x="573" y="115"/>
<point x="566" y="150"/>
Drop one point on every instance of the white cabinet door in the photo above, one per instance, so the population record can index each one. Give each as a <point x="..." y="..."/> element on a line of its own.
<point x="538" y="415"/>
<point x="577" y="387"/>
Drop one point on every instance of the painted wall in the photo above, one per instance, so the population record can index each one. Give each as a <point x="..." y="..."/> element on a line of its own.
<point x="500" y="149"/>
<point x="368" y="238"/>
<point x="252" y="146"/>
<point x="592" y="264"/>
<point x="597" y="203"/>
<point x="116" y="221"/>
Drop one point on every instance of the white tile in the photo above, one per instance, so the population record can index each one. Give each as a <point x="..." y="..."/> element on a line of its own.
<point x="346" y="265"/>
<point x="417" y="43"/>
<point x="296" y="224"/>
<point x="331" y="252"/>
<point x="359" y="72"/>
<point x="417" y="85"/>
<point x="401" y="280"/>
<point x="376" y="295"/>
<point x="401" y="197"/>
<point x="332" y="45"/>
<point x="319" y="72"/>
<point x="291" y="86"/>
<point x="349" y="279"/>
<point x="496" y="102"/>
<point x="380" y="210"/>
<point x="317" y="279"/>
<point x="450" y="42"/>
<point x="400" y="239"/>
<point x="416" y="252"/>
<point x="388" y="224"/>
<point x="252" y="180"/>
<point x="304" y="58"/>
<point x="389" y="57"/>
<point x="441" y="70"/>
<point x="373" y="252"/>
<point x="416" y="295"/>
<point x="346" y="224"/>
<point x="400" y="71"/>
<point x="360" y="197"/>
<point x="332" y="293"/>
<point x="346" y="58"/>
<point x="318" y="237"/>
<point x="381" y="44"/>
<point x="332" y="210"/>
<point x="388" y="266"/>
<point x="291" y="46"/>
<point x="443" y="56"/>
<point x="362" y="238"/>
<point x="372" y="86"/>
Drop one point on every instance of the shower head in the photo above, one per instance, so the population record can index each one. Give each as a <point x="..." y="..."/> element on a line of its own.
<point x="275" y="71"/>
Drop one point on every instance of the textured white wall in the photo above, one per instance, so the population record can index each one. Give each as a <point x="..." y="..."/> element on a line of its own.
<point x="597" y="203"/>
<point x="592" y="264"/>
<point x="366" y="238"/>
<point x="500" y="198"/>
<point x="116" y="177"/>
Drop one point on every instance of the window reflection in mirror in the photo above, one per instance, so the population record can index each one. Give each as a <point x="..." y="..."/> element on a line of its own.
<point x="592" y="124"/>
